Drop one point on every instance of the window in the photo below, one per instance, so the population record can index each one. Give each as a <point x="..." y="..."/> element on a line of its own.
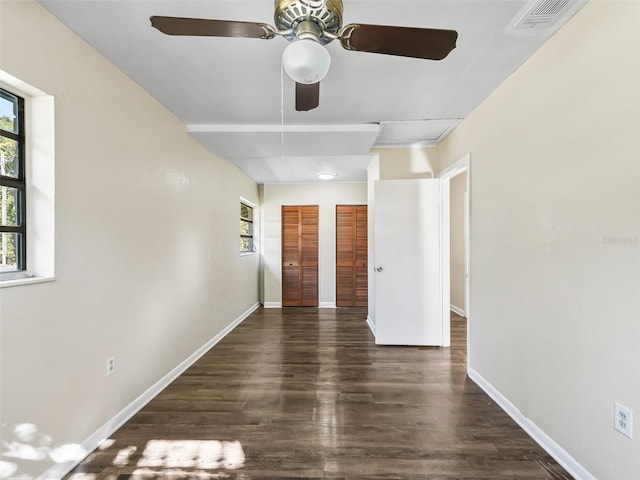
<point x="27" y="183"/>
<point x="246" y="229"/>
<point x="13" y="192"/>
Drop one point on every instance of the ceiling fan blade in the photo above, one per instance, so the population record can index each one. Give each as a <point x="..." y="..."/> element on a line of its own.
<point x="427" y="43"/>
<point x="211" y="28"/>
<point x="307" y="96"/>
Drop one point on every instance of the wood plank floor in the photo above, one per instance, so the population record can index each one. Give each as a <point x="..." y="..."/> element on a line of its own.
<point x="305" y="393"/>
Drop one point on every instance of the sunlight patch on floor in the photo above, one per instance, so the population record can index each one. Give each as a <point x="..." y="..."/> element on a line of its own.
<point x="201" y="454"/>
<point x="123" y="456"/>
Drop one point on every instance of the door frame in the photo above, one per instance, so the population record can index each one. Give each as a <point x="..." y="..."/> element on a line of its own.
<point x="461" y="166"/>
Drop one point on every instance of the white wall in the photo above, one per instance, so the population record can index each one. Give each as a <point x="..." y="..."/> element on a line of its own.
<point x="327" y="196"/>
<point x="458" y="251"/>
<point x="373" y="174"/>
<point x="555" y="235"/>
<point x="139" y="204"/>
<point x="393" y="164"/>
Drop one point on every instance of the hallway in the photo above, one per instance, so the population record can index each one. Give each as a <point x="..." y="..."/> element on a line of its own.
<point x="305" y="393"/>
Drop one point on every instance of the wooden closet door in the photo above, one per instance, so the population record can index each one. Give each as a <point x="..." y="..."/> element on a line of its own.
<point x="351" y="256"/>
<point x="362" y="259"/>
<point x="309" y="255"/>
<point x="291" y="273"/>
<point x="300" y="256"/>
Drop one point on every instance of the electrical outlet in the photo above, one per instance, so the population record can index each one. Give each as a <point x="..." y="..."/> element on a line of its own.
<point x="111" y="365"/>
<point x="623" y="420"/>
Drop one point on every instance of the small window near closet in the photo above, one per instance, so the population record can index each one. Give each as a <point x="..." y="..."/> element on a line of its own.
<point x="246" y="228"/>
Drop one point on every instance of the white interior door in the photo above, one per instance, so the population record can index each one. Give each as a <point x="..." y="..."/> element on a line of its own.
<point x="408" y="262"/>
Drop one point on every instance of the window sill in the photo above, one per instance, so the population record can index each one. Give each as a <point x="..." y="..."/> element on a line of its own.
<point x="245" y="254"/>
<point x="25" y="281"/>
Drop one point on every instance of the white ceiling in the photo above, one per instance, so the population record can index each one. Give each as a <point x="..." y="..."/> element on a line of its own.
<point x="233" y="97"/>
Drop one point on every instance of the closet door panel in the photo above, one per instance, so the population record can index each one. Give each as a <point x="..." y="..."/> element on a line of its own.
<point x="361" y="260"/>
<point x="351" y="255"/>
<point x="309" y="216"/>
<point x="309" y="287"/>
<point x="291" y="280"/>
<point x="345" y="286"/>
<point x="361" y="287"/>
<point x="290" y="236"/>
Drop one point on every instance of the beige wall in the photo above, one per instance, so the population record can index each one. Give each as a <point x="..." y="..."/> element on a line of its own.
<point x="404" y="163"/>
<point x="139" y="204"/>
<point x="457" y="252"/>
<point x="326" y="196"/>
<point x="555" y="235"/>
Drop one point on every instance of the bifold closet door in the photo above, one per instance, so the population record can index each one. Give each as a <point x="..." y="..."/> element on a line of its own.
<point x="300" y="256"/>
<point x="351" y="256"/>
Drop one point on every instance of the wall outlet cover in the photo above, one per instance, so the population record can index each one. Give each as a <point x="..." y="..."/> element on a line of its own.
<point x="623" y="419"/>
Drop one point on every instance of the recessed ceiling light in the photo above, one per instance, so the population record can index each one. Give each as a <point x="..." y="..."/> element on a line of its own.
<point x="325" y="175"/>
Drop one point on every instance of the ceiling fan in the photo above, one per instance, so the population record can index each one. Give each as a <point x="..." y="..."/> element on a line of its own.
<point x="311" y="24"/>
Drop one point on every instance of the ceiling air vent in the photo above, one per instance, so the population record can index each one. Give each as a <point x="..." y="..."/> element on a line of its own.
<point x="542" y="14"/>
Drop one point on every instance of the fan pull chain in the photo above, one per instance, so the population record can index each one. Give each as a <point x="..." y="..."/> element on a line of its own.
<point x="281" y="109"/>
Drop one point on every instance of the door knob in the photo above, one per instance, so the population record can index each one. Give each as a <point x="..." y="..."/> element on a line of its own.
<point x="378" y="269"/>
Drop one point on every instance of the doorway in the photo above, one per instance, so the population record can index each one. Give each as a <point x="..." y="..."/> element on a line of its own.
<point x="456" y="213"/>
<point x="458" y="243"/>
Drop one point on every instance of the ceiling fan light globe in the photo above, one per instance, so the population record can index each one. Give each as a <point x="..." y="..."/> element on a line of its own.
<point x="306" y="61"/>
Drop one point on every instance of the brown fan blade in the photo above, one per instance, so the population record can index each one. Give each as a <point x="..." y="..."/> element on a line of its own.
<point x="202" y="27"/>
<point x="307" y="96"/>
<point x="427" y="43"/>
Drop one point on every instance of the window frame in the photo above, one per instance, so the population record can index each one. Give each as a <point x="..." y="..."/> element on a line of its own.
<point x="19" y="183"/>
<point x="251" y="206"/>
<point x="40" y="175"/>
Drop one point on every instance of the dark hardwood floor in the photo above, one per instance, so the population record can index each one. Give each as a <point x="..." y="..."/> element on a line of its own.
<point x="305" y="393"/>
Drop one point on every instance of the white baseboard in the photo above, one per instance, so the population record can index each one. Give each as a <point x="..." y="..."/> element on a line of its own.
<point x="457" y="310"/>
<point x="279" y="305"/>
<point x="105" y="431"/>
<point x="372" y="325"/>
<point x="327" y="305"/>
<point x="547" y="443"/>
